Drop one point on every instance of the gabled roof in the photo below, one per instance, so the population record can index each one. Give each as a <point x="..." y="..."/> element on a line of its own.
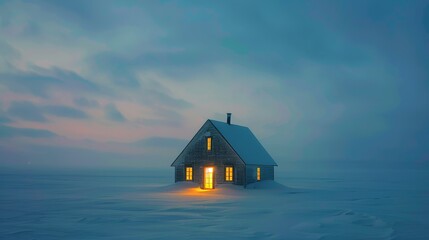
<point x="244" y="143"/>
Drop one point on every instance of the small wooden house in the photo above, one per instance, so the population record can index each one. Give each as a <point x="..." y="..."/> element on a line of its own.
<point x="223" y="153"/>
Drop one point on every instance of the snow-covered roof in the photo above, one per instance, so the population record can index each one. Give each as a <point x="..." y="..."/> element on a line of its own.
<point x="244" y="143"/>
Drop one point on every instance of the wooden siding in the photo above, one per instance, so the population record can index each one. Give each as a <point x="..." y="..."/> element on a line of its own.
<point x="179" y="173"/>
<point x="221" y="156"/>
<point x="267" y="173"/>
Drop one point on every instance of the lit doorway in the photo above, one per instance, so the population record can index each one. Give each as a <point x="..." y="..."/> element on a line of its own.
<point x="208" y="178"/>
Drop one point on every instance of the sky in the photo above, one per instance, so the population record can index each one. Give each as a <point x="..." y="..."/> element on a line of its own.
<point x="126" y="84"/>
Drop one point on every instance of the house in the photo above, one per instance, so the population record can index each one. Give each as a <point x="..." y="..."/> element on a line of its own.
<point x="223" y="153"/>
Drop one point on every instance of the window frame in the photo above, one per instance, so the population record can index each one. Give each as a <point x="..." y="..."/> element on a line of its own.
<point x="209" y="147"/>
<point x="189" y="177"/>
<point x="258" y="174"/>
<point x="231" y="178"/>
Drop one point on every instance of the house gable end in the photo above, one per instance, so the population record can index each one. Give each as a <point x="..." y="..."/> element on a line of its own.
<point x="196" y="148"/>
<point x="226" y="141"/>
<point x="176" y="161"/>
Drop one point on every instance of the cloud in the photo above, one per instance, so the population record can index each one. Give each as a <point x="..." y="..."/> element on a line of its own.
<point x="41" y="81"/>
<point x="150" y="152"/>
<point x="260" y="38"/>
<point x="175" y="64"/>
<point x="85" y="15"/>
<point x="123" y="72"/>
<point x="71" y="79"/>
<point x="9" y="132"/>
<point x="113" y="114"/>
<point x="120" y="71"/>
<point x="346" y="81"/>
<point x="426" y="18"/>
<point x="4" y="118"/>
<point x="86" y="102"/>
<point x="163" y="117"/>
<point x="156" y="99"/>
<point x="161" y="142"/>
<point x="7" y="52"/>
<point x="26" y="82"/>
<point x="45" y="156"/>
<point x="156" y="122"/>
<point x="27" y="111"/>
<point x="64" y="111"/>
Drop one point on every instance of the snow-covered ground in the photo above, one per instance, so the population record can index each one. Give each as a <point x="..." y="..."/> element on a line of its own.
<point x="358" y="204"/>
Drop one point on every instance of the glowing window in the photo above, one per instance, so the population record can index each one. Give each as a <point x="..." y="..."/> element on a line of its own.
<point x="228" y="174"/>
<point x="258" y="174"/>
<point x="209" y="143"/>
<point x="188" y="173"/>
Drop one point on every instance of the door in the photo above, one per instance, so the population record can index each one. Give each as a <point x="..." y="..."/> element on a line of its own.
<point x="208" y="178"/>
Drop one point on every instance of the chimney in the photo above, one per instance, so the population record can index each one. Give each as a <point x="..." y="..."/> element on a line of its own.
<point x="228" y="118"/>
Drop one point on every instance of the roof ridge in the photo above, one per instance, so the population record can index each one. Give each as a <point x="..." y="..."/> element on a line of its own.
<point x="232" y="124"/>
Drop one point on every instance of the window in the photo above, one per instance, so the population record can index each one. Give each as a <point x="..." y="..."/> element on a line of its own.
<point x="209" y="144"/>
<point x="258" y="174"/>
<point x="188" y="173"/>
<point x="228" y="174"/>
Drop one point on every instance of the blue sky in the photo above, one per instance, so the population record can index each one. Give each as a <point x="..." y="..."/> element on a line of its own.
<point x="128" y="83"/>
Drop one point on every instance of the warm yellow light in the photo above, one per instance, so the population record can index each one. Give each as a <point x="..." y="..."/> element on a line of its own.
<point x="258" y="174"/>
<point x="193" y="192"/>
<point x="188" y="173"/>
<point x="228" y="174"/>
<point x="208" y="178"/>
<point x="209" y="143"/>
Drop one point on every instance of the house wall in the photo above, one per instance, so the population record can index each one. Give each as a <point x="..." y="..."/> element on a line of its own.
<point x="221" y="155"/>
<point x="179" y="173"/>
<point x="267" y="173"/>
